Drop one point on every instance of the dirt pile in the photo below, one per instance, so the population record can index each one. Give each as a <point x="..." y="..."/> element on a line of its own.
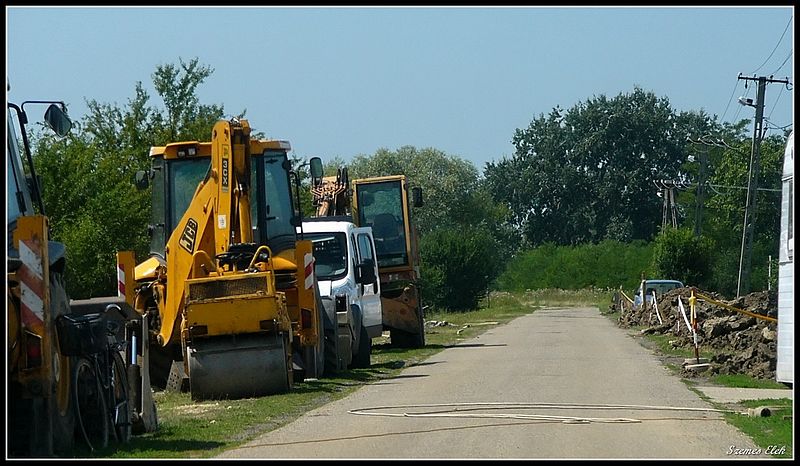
<point x="739" y="344"/>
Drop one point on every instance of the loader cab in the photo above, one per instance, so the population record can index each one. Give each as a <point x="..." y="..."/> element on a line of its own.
<point x="271" y="206"/>
<point x="178" y="169"/>
<point x="382" y="204"/>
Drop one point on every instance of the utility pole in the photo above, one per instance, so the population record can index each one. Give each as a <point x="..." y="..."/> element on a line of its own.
<point x="745" y="258"/>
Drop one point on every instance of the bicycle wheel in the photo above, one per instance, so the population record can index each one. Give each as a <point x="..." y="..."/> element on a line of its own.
<point x="90" y="405"/>
<point x="121" y="413"/>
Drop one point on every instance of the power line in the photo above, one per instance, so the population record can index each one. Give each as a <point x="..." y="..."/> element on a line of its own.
<point x="784" y="62"/>
<point x="774" y="126"/>
<point x="776" y="46"/>
<point x="735" y="86"/>
<point x="775" y="104"/>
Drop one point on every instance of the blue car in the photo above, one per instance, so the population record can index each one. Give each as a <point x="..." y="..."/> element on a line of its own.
<point x="658" y="286"/>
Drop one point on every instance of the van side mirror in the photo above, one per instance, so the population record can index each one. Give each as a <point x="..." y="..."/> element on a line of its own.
<point x="416" y="196"/>
<point x="365" y="273"/>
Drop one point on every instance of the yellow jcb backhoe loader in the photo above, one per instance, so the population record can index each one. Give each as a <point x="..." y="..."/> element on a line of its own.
<point x="229" y="288"/>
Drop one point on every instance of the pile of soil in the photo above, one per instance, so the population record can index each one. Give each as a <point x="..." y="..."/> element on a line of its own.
<point x="742" y="344"/>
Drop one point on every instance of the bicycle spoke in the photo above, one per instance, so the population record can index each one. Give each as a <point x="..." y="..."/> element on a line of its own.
<point x="90" y="405"/>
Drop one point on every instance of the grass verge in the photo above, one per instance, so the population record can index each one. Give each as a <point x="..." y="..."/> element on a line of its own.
<point x="745" y="381"/>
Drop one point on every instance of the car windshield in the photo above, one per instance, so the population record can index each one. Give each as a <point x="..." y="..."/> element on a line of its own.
<point x="660" y="287"/>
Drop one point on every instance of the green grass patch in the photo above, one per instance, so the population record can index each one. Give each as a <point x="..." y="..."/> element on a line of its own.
<point x="745" y="381"/>
<point x="772" y="434"/>
<point x="663" y="344"/>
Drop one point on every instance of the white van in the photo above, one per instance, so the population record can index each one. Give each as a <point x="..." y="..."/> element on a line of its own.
<point x="346" y="268"/>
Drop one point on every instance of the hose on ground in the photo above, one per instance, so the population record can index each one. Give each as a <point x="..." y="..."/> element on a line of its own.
<point x="459" y="410"/>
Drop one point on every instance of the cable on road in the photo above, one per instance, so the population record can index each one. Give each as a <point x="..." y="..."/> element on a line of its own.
<point x="460" y="410"/>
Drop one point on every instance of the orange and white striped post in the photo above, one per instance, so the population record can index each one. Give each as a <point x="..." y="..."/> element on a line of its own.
<point x="126" y="281"/>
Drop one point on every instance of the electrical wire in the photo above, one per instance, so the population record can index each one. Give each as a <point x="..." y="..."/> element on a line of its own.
<point x="730" y="99"/>
<point x="775" y="104"/>
<point x="774" y="126"/>
<point x="784" y="62"/>
<point x="776" y="46"/>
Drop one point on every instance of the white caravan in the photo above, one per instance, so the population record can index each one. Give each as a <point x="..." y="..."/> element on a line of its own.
<point x="785" y="367"/>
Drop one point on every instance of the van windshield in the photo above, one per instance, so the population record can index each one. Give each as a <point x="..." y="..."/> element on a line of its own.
<point x="330" y="255"/>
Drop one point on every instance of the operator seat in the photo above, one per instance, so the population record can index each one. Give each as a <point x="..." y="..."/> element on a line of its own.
<point x="388" y="234"/>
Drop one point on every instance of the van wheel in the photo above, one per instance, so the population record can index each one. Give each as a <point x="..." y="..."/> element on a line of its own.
<point x="362" y="358"/>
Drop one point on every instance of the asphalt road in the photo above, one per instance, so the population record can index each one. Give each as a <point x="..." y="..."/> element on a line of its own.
<point x="574" y="360"/>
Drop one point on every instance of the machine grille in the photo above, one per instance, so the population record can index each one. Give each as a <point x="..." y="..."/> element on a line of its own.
<point x="226" y="288"/>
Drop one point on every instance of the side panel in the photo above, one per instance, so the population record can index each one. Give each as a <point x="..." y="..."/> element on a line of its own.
<point x="785" y="365"/>
<point x="30" y="239"/>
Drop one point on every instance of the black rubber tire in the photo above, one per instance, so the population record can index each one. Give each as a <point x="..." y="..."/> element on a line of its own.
<point x="312" y="359"/>
<point x="362" y="358"/>
<point x="331" y="343"/>
<point x="320" y="352"/>
<point x="90" y="407"/>
<point x="62" y="410"/>
<point x="122" y="411"/>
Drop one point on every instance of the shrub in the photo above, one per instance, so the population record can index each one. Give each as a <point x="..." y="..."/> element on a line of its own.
<point x="457" y="266"/>
<point x="679" y="255"/>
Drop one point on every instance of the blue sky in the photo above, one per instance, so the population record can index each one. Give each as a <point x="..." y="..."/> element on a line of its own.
<point x="348" y="81"/>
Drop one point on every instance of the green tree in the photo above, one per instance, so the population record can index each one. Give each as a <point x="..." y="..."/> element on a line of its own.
<point x="184" y="118"/>
<point x="587" y="174"/>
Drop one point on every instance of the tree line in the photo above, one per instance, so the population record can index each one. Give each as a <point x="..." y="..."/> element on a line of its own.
<point x="579" y="177"/>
